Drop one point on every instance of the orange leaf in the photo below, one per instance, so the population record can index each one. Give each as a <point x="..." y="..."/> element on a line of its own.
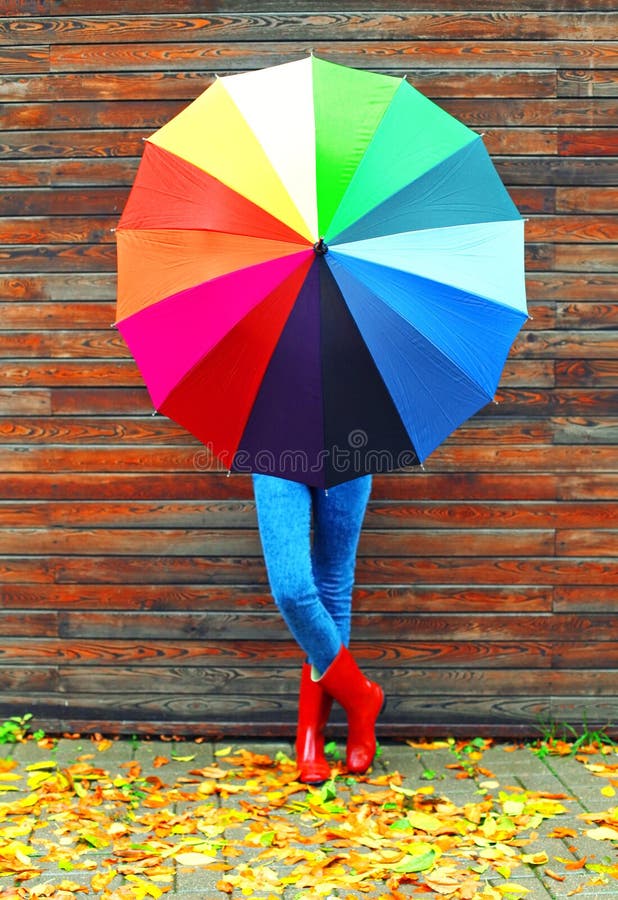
<point x="159" y="761"/>
<point x="576" y="864"/>
<point x="561" y="832"/>
<point x="554" y="875"/>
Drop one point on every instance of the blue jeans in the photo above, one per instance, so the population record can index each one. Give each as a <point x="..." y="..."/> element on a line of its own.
<point x="312" y="582"/>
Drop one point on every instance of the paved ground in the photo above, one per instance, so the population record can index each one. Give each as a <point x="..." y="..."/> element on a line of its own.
<point x="44" y="827"/>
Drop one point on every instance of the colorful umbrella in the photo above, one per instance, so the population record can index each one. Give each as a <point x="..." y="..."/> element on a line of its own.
<point x="320" y="272"/>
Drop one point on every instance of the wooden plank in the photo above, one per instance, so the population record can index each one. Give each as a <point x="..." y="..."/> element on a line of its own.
<point x="19" y="402"/>
<point x="540" y="571"/>
<point x="34" y="624"/>
<point x="210" y="715"/>
<point x="535" y="200"/>
<point x="584" y="656"/>
<point x="558" y="344"/>
<point x="576" y="287"/>
<point x="150" y="7"/>
<point x="70" y="430"/>
<point x="399" y="682"/>
<point x="587" y="542"/>
<point x="586" y="200"/>
<point x="587" y="627"/>
<point x="72" y="144"/>
<point x="72" y="314"/>
<point x="521" y="141"/>
<point x="539" y="113"/>
<point x="573" y="228"/>
<point x="49" y="344"/>
<point x="587" y="83"/>
<point x="168" y="85"/>
<point x="58" y="229"/>
<point x="370" y="54"/>
<point x="15" y="60"/>
<point x="65" y="201"/>
<point x="587" y="372"/>
<point x="587" y="315"/>
<point x="490" y="515"/>
<point x="406" y="25"/>
<point x="58" y="258"/>
<point x="57" y="287"/>
<point x="578" y="257"/>
<point x="37" y="173"/>
<point x="245" y="542"/>
<point x="186" y="486"/>
<point x="29" y="678"/>
<point x="562" y="171"/>
<point x="43" y="373"/>
<point x="586" y="598"/>
<point x="581" y="430"/>
<point x="588" y="142"/>
<point x="595" y="486"/>
<point x="514" y="654"/>
<point x="77" y="114"/>
<point x="189" y="597"/>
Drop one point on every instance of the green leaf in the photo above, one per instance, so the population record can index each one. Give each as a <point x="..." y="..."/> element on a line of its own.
<point x="401" y="825"/>
<point x="416" y="863"/>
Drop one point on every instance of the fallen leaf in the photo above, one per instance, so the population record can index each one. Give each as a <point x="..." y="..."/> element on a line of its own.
<point x="554" y="875"/>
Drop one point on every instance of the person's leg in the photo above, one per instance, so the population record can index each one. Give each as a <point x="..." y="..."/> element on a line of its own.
<point x="338" y="518"/>
<point x="284" y="519"/>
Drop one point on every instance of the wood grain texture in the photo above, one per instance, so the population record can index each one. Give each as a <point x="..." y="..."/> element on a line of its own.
<point x="133" y="595"/>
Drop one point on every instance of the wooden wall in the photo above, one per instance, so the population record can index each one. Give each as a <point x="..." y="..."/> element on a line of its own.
<point x="133" y="596"/>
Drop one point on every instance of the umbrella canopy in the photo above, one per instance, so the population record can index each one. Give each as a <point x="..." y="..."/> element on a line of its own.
<point x="320" y="273"/>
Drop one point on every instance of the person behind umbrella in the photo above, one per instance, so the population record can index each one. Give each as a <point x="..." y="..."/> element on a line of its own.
<point x="312" y="586"/>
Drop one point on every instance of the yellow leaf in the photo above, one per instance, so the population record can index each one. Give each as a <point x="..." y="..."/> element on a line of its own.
<point x="535" y="859"/>
<point x="604" y="833"/>
<point x="46" y="764"/>
<point x="517" y="890"/>
<point x="190" y="858"/>
<point x="224" y="751"/>
<point x="102" y="879"/>
<point x="183" y="758"/>
<point x="608" y="791"/>
<point x="424" y="822"/>
<point x="9" y="776"/>
<point x="145" y="887"/>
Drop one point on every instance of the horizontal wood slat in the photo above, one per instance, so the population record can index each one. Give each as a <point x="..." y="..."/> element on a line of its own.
<point x="233" y="27"/>
<point x="133" y="594"/>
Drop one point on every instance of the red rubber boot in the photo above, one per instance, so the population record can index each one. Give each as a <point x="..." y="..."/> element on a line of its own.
<point x="362" y="700"/>
<point x="314" y="706"/>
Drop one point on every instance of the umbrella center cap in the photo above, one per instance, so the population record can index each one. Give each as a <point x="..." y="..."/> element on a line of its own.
<point x="320" y="247"/>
